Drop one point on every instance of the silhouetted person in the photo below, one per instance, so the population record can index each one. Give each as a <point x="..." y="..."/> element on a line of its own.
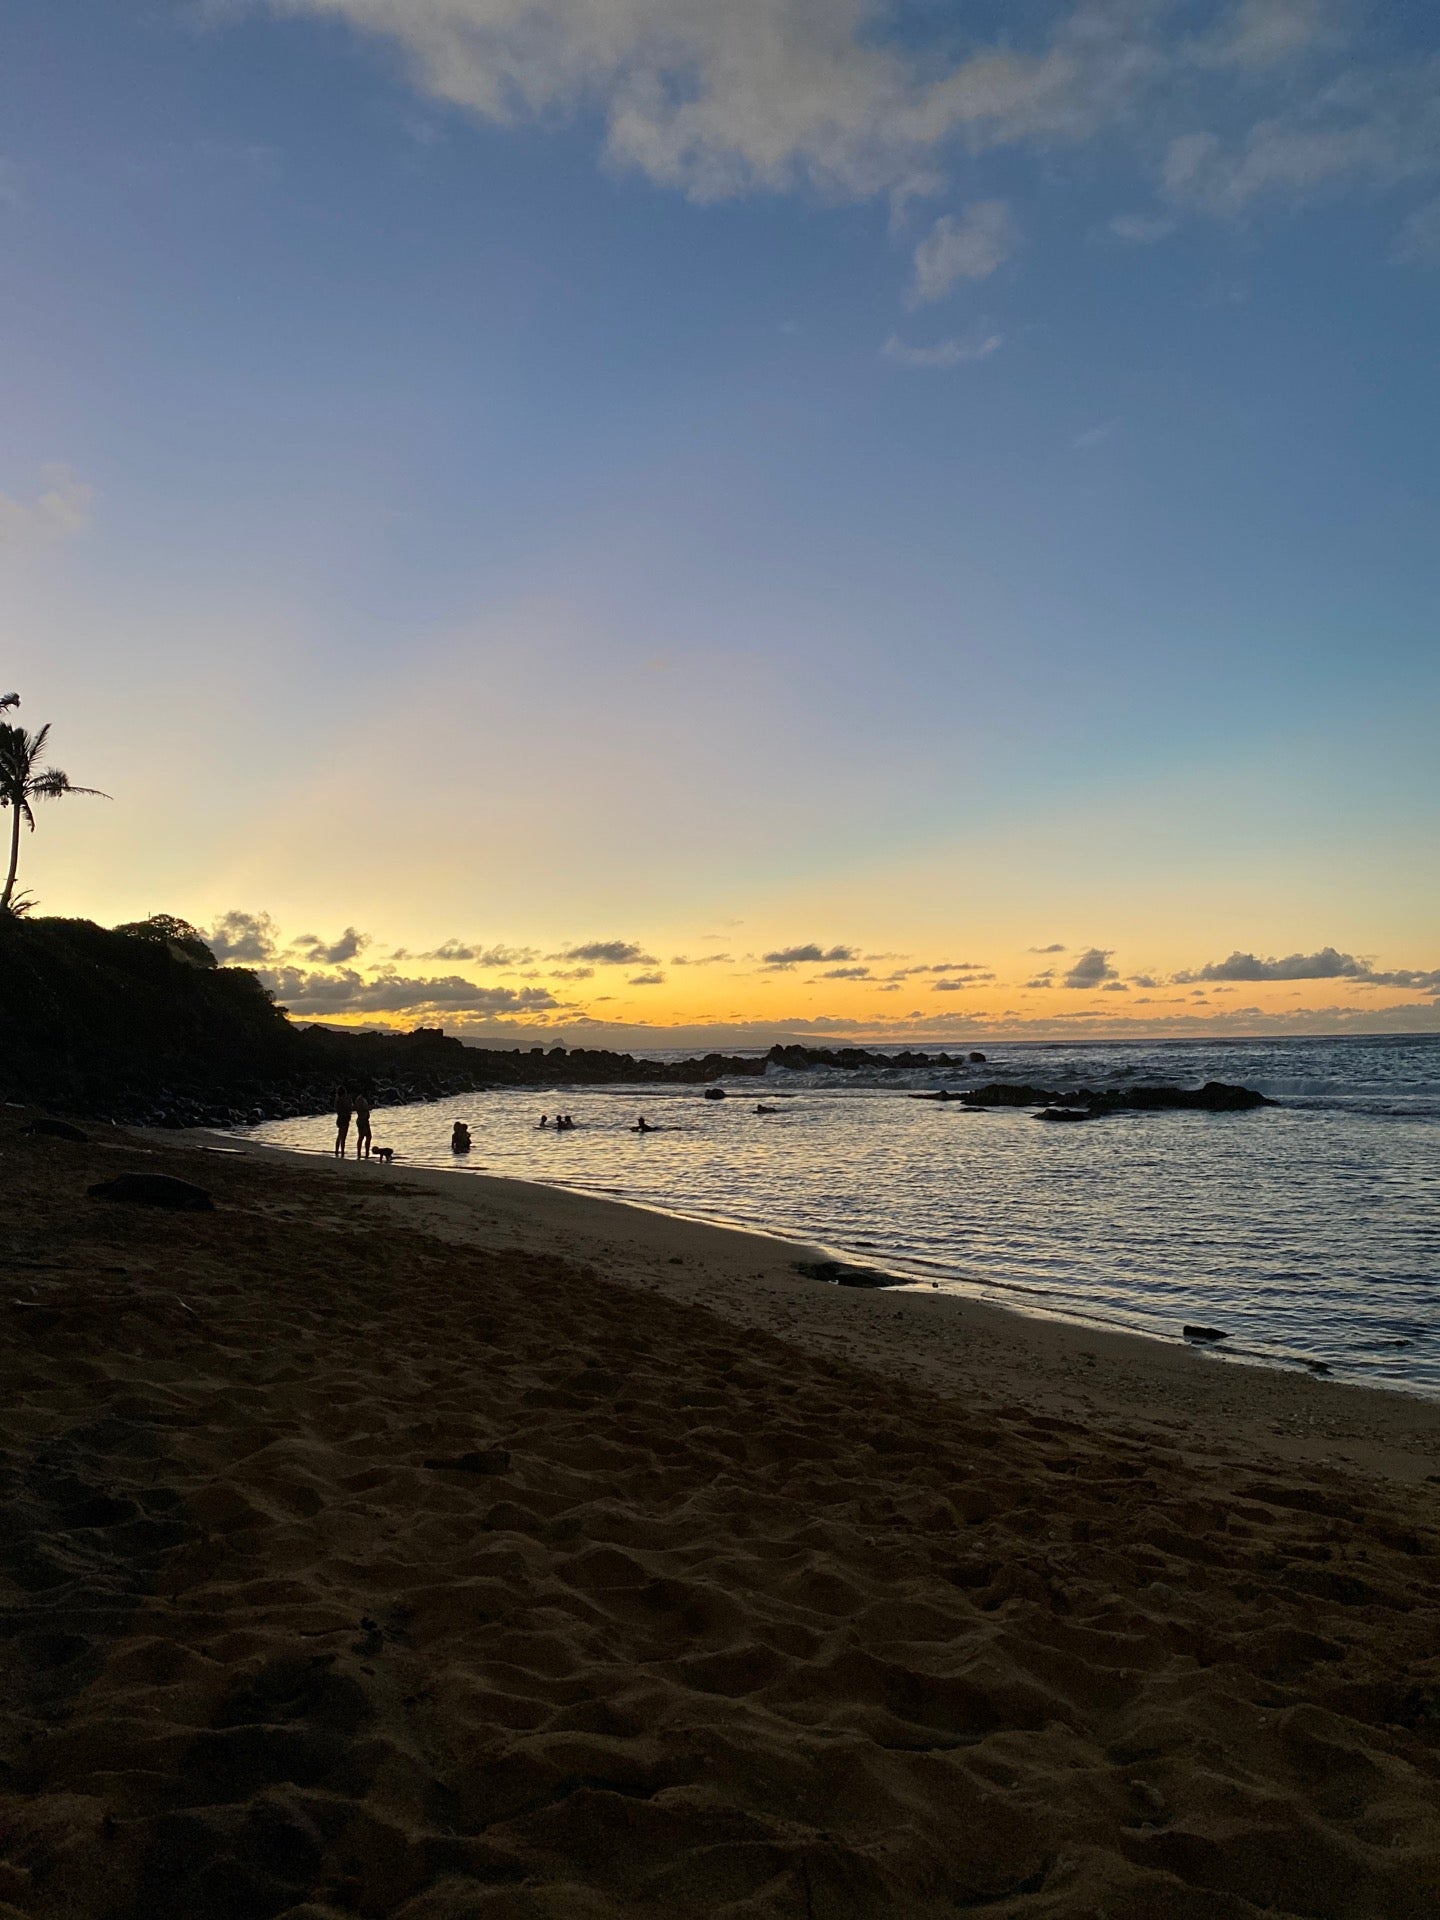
<point x="642" y="1125"/>
<point x="545" y="1120"/>
<point x="460" y="1138"/>
<point x="362" y="1127"/>
<point x="344" y="1107"/>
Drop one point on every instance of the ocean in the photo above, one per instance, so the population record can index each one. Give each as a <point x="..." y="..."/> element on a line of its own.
<point x="1307" y="1233"/>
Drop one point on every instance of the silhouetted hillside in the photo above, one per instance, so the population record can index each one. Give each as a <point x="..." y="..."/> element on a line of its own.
<point x="138" y="1023"/>
<point x="94" y="1015"/>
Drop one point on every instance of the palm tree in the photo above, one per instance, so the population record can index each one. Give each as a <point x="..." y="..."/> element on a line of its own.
<point x="23" y="779"/>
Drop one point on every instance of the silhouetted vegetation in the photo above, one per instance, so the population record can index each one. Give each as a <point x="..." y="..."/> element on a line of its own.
<point x="23" y="779"/>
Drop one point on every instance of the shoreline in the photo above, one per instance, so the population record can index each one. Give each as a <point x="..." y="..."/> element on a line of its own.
<point x="455" y="1548"/>
<point x="951" y="1342"/>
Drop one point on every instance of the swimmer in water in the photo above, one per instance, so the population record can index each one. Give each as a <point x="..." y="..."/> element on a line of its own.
<point x="460" y="1138"/>
<point x="545" y="1120"/>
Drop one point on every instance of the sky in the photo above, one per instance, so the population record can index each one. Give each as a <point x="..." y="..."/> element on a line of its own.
<point x="647" y="522"/>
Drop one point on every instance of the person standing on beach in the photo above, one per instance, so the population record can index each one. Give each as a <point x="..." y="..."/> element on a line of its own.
<point x="343" y="1109"/>
<point x="362" y="1126"/>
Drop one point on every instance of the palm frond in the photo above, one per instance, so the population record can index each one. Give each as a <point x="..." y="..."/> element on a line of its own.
<point x="52" y="784"/>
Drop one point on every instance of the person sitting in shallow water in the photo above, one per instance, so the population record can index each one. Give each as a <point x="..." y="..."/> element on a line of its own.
<point x="545" y="1120"/>
<point x="642" y="1125"/>
<point x="460" y="1138"/>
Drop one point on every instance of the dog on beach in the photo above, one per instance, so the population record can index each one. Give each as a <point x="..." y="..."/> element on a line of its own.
<point x="387" y="1154"/>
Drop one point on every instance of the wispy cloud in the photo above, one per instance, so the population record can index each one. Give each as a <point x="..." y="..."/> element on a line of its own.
<point x="944" y="353"/>
<point x="852" y="99"/>
<point x="968" y="248"/>
<point x="61" y="508"/>
<point x="810" y="954"/>
<point x="768" y="95"/>
<point x="608" y="953"/>
<point x="1141" y="229"/>
<point x="1418" y="242"/>
<point x="480" y="956"/>
<point x="1262" y="33"/>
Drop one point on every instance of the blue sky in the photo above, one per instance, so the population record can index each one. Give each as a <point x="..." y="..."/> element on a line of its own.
<point x="528" y="470"/>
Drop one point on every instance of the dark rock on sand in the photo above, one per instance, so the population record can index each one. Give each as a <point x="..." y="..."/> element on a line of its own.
<point x="1065" y="1113"/>
<point x="713" y="1093"/>
<point x="154" y="1190"/>
<point x="1204" y="1333"/>
<point x="834" y="1274"/>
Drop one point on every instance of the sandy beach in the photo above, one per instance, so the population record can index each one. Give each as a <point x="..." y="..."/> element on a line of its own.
<point x="437" y="1547"/>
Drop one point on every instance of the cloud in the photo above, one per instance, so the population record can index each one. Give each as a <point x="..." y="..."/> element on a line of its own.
<point x="608" y="953"/>
<point x="500" y="956"/>
<point x="1418" y="242"/>
<point x="970" y="248"/>
<point x="810" y="954"/>
<point x="647" y="980"/>
<point x="1367" y="129"/>
<point x="1090" y="970"/>
<point x="575" y="973"/>
<point x="944" y="353"/>
<point x="847" y="973"/>
<point x="349" y="992"/>
<point x="1326" y="964"/>
<point x="1141" y="229"/>
<point x="1055" y="946"/>
<point x="332" y="953"/>
<point x="763" y="95"/>
<point x="915" y="186"/>
<point x="941" y="966"/>
<point x="243" y="936"/>
<point x="1261" y="33"/>
<point x="701" y="960"/>
<point x="60" y="509"/>
<point x="962" y="986"/>
<point x="1096" y="436"/>
<point x="854" y="99"/>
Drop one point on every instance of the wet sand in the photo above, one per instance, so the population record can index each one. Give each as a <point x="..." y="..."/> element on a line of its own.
<point x="422" y="1545"/>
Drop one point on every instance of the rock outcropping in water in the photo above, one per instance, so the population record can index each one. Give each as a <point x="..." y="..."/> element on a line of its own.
<point x="1216" y="1096"/>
